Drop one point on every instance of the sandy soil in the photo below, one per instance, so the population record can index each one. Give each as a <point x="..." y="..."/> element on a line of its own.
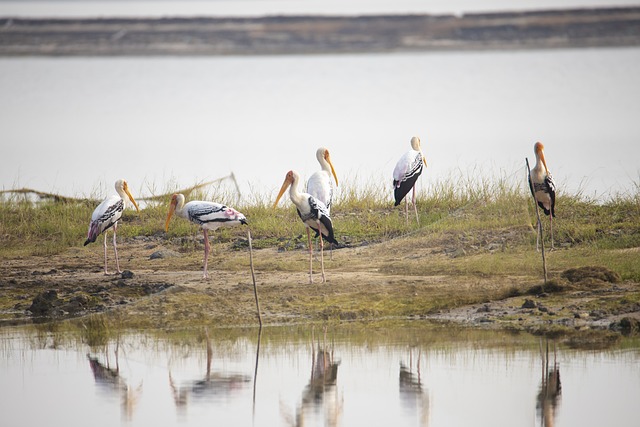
<point x="362" y="284"/>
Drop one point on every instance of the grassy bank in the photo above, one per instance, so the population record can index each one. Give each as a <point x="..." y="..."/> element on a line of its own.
<point x="474" y="245"/>
<point x="471" y="217"/>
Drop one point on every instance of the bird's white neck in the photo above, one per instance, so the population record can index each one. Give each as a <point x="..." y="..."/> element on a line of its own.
<point x="540" y="166"/>
<point x="324" y="165"/>
<point x="180" y="211"/>
<point x="123" y="195"/>
<point x="295" y="195"/>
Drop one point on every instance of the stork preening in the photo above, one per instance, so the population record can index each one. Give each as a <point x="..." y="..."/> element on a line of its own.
<point x="405" y="175"/>
<point x="543" y="188"/>
<point x="106" y="215"/>
<point x="208" y="215"/>
<point x="313" y="213"/>
<point x="320" y="184"/>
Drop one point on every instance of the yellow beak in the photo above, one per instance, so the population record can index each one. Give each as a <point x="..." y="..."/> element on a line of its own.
<point x="284" y="187"/>
<point x="544" y="161"/>
<point x="126" y="190"/>
<point x="333" y="171"/>
<point x="172" y="209"/>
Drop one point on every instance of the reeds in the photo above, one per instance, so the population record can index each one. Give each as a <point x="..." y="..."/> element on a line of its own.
<point x="362" y="213"/>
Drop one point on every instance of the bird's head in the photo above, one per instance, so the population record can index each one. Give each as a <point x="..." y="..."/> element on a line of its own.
<point x="289" y="180"/>
<point x="538" y="149"/>
<point x="415" y="144"/>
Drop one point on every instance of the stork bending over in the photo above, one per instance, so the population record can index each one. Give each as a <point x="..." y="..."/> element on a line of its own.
<point x="208" y="215"/>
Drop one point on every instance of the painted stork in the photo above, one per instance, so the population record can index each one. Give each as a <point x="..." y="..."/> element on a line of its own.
<point x="320" y="184"/>
<point x="543" y="188"/>
<point x="405" y="175"/>
<point x="208" y="215"/>
<point x="313" y="213"/>
<point x="106" y="215"/>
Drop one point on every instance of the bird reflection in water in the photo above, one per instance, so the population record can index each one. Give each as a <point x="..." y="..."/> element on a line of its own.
<point x="548" y="398"/>
<point x="412" y="394"/>
<point x="321" y="393"/>
<point x="109" y="379"/>
<point x="212" y="384"/>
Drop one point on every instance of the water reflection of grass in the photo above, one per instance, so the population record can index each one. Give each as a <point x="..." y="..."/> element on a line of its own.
<point x="373" y="336"/>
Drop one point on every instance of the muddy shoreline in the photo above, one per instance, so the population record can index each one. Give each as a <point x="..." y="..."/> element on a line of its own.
<point x="276" y="35"/>
<point x="162" y="286"/>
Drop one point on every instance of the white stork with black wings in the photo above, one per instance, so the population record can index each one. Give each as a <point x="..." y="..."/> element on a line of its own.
<point x="320" y="184"/>
<point x="106" y="215"/>
<point x="313" y="213"/>
<point x="208" y="215"/>
<point x="543" y="188"/>
<point x="405" y="175"/>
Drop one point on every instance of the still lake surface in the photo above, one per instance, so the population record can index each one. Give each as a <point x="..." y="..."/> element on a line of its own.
<point x="75" y="125"/>
<point x="82" y="8"/>
<point x="412" y="374"/>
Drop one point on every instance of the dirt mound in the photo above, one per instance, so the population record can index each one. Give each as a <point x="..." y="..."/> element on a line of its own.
<point x="591" y="275"/>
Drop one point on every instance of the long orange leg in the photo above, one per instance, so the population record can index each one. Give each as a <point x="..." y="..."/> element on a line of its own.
<point x="321" y="253"/>
<point x="538" y="235"/>
<point x="415" y="207"/>
<point x="206" y="253"/>
<point x="406" y="210"/>
<point x="115" y="249"/>
<point x="310" y="255"/>
<point x="105" y="253"/>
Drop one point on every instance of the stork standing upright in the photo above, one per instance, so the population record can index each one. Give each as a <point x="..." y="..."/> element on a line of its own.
<point x="313" y="213"/>
<point x="543" y="188"/>
<point x="208" y="215"/>
<point x="106" y="215"/>
<point x="405" y="175"/>
<point x="320" y="184"/>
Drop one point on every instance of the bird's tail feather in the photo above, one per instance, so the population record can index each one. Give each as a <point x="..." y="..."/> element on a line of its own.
<point x="94" y="232"/>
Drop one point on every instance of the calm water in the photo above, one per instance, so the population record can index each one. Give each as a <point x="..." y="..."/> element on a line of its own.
<point x="75" y="125"/>
<point x="416" y="375"/>
<point x="278" y="7"/>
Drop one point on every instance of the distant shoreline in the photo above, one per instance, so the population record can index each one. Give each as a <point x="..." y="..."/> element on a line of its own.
<point x="277" y="35"/>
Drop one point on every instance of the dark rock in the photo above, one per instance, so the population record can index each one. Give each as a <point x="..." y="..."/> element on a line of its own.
<point x="127" y="274"/>
<point x="164" y="253"/>
<point x="75" y="304"/>
<point x="45" y="303"/>
<point x="484" y="309"/>
<point x="626" y="326"/>
<point x="529" y="303"/>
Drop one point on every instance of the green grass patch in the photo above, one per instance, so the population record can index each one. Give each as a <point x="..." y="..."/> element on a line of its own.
<point x="491" y="219"/>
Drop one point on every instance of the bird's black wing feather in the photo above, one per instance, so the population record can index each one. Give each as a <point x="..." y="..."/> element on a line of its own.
<point x="319" y="212"/>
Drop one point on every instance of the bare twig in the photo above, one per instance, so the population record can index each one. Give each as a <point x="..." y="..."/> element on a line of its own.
<point x="189" y="190"/>
<point x="253" y="277"/>
<point x="44" y="195"/>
